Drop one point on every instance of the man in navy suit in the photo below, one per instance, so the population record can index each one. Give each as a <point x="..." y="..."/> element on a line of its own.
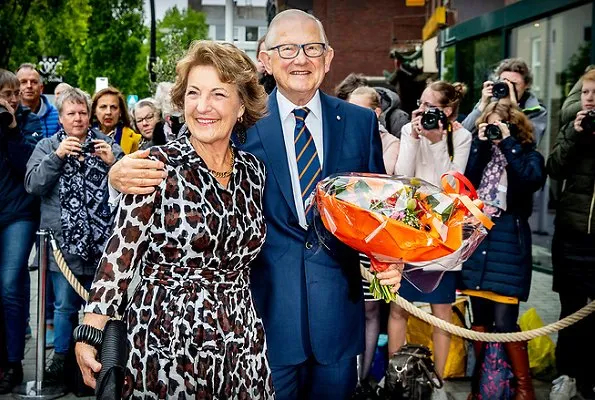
<point x="309" y="297"/>
<point x="308" y="293"/>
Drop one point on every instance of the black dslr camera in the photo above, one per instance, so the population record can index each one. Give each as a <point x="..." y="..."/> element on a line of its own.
<point x="88" y="147"/>
<point x="500" y="90"/>
<point x="493" y="132"/>
<point x="588" y="122"/>
<point x="430" y="118"/>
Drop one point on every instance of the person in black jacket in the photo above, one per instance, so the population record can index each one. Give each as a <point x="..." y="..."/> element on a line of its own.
<point x="506" y="169"/>
<point x="572" y="162"/>
<point x="20" y="130"/>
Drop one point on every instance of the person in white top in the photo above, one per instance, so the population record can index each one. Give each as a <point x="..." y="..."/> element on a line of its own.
<point x="427" y="153"/>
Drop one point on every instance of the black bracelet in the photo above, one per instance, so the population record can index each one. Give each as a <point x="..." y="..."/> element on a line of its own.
<point x="88" y="334"/>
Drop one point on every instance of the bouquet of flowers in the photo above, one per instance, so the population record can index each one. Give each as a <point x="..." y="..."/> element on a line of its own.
<point x="401" y="219"/>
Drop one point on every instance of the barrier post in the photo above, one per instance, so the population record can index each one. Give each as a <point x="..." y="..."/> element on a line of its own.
<point x="37" y="389"/>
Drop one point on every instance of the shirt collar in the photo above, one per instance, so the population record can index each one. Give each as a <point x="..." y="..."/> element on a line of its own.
<point x="286" y="107"/>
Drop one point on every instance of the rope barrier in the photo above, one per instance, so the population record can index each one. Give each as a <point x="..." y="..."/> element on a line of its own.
<point x="407" y="306"/>
<point x="487" y="337"/>
<point x="76" y="285"/>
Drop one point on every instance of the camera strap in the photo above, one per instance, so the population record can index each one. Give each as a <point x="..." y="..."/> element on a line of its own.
<point x="449" y="142"/>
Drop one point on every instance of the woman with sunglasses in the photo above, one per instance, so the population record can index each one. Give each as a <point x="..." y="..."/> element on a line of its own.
<point x="428" y="150"/>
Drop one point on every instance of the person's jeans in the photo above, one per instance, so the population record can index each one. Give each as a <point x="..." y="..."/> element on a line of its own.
<point x="67" y="306"/>
<point x="16" y="241"/>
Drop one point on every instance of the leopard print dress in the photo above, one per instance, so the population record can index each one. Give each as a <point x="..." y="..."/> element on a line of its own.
<point x="193" y="331"/>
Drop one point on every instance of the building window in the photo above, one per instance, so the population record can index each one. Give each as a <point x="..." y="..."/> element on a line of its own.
<point x="236" y="33"/>
<point x="251" y="33"/>
<point x="536" y="67"/>
<point x="219" y="32"/>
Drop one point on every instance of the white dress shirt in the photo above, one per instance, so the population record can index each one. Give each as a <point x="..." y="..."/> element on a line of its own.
<point x="314" y="124"/>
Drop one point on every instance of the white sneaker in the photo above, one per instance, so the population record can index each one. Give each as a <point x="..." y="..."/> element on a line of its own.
<point x="564" y="388"/>
<point x="439" y="394"/>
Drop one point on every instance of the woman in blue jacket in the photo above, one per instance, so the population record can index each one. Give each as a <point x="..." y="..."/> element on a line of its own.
<point x="506" y="169"/>
<point x="20" y="130"/>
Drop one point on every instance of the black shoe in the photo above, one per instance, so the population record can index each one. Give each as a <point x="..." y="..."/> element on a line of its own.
<point x="54" y="374"/>
<point x="13" y="376"/>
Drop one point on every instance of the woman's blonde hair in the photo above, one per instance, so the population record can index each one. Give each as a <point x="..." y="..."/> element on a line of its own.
<point x="589" y="75"/>
<point x="451" y="95"/>
<point x="508" y="112"/>
<point x="233" y="67"/>
<point x="370" y="93"/>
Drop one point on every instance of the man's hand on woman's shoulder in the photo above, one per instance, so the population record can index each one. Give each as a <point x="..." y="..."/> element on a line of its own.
<point x="134" y="174"/>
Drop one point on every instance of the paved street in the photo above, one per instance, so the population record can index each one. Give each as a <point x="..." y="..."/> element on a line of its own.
<point x="542" y="298"/>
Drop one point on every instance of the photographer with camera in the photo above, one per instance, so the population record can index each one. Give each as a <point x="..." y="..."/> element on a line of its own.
<point x="506" y="169"/>
<point x="514" y="80"/>
<point x="20" y="130"/>
<point x="572" y="161"/>
<point x="69" y="172"/>
<point x="431" y="144"/>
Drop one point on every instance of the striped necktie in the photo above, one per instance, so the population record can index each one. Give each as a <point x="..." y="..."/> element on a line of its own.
<point x="306" y="155"/>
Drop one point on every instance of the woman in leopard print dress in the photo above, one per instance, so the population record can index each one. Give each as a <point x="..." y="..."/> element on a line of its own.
<point x="193" y="331"/>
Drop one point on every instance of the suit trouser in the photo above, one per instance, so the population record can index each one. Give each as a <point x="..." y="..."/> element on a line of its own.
<point x="312" y="380"/>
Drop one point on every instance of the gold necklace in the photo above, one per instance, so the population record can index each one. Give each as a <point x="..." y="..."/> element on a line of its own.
<point x="227" y="173"/>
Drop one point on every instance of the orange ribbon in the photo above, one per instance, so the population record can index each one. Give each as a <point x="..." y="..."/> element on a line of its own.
<point x="465" y="192"/>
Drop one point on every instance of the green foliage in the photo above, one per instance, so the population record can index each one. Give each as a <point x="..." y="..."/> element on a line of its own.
<point x="175" y="33"/>
<point x="96" y="38"/>
<point x="180" y="26"/>
<point x="56" y="28"/>
<point x="113" y="46"/>
<point x="13" y="13"/>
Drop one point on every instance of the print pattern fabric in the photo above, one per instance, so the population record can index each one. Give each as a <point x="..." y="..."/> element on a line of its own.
<point x="193" y="331"/>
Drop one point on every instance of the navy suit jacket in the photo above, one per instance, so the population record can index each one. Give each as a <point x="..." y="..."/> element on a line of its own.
<point x="310" y="299"/>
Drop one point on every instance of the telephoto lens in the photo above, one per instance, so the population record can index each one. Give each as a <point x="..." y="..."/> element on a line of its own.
<point x="430" y="118"/>
<point x="588" y="122"/>
<point x="500" y="90"/>
<point x="493" y="132"/>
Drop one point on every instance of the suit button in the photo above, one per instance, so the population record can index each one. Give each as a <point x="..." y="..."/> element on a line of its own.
<point x="308" y="245"/>
<point x="476" y="287"/>
<point x="484" y="252"/>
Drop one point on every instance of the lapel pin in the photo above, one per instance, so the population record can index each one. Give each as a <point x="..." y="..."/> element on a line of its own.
<point x="338" y="118"/>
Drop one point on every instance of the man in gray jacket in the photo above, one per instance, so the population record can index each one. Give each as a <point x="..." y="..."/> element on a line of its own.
<point x="516" y="73"/>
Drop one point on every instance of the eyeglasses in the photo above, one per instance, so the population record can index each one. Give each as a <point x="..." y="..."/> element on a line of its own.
<point x="425" y="104"/>
<point x="7" y="94"/>
<point x="289" y="51"/>
<point x="148" y="118"/>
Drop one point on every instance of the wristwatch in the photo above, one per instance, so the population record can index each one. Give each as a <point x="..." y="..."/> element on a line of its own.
<point x="88" y="334"/>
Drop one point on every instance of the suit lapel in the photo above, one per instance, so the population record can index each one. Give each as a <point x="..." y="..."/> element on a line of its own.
<point x="270" y="132"/>
<point x="333" y="131"/>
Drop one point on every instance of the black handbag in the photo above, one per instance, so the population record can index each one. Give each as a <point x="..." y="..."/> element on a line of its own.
<point x="411" y="374"/>
<point x="113" y="357"/>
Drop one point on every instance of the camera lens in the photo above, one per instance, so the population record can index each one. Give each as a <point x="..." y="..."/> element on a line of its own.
<point x="500" y="90"/>
<point x="493" y="132"/>
<point x="430" y="118"/>
<point x="588" y="122"/>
